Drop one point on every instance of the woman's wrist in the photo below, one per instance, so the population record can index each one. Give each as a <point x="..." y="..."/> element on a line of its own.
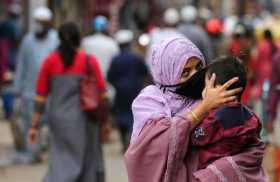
<point x="35" y="123"/>
<point x="205" y="105"/>
<point x="197" y="114"/>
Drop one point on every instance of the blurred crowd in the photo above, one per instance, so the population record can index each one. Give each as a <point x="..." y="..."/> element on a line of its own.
<point x="122" y="55"/>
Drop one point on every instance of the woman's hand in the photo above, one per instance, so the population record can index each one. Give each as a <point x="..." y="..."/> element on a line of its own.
<point x="106" y="131"/>
<point x="213" y="96"/>
<point x="33" y="135"/>
<point x="216" y="96"/>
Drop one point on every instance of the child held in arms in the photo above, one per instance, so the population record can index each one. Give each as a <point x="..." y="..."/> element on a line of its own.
<point x="228" y="130"/>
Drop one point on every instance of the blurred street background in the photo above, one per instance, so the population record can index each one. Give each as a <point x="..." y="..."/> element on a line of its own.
<point x="248" y="29"/>
<point x="115" y="169"/>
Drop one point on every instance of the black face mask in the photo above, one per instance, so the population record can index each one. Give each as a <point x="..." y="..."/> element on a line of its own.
<point x="193" y="87"/>
<point x="42" y="34"/>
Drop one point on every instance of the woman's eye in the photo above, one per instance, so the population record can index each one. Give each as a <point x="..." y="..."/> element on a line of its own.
<point x="186" y="73"/>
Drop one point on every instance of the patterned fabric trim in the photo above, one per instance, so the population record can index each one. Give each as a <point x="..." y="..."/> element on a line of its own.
<point x="39" y="98"/>
<point x="171" y="154"/>
<point x="105" y="95"/>
<point x="236" y="169"/>
<point x="218" y="173"/>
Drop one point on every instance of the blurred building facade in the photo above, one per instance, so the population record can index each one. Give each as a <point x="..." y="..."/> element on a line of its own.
<point x="131" y="14"/>
<point x="81" y="12"/>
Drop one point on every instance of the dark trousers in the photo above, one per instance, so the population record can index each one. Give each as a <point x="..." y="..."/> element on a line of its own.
<point x="125" y="133"/>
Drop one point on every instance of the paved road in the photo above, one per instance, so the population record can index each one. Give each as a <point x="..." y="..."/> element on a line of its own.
<point x="114" y="162"/>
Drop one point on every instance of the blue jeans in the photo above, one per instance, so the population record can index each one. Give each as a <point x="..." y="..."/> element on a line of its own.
<point x="8" y="98"/>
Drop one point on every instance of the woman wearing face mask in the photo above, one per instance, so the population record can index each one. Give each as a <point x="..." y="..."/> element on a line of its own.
<point x="163" y="119"/>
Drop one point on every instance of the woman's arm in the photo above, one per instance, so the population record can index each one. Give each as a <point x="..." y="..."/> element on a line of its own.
<point x="42" y="90"/>
<point x="35" y="123"/>
<point x="39" y="104"/>
<point x="243" y="167"/>
<point x="157" y="153"/>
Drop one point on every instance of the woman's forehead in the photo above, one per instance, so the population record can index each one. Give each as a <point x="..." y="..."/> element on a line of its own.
<point x="192" y="62"/>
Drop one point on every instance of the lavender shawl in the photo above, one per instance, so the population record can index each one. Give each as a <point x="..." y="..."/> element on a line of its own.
<point x="166" y="62"/>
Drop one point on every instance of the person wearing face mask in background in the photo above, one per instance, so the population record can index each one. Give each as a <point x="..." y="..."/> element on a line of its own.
<point x="34" y="48"/>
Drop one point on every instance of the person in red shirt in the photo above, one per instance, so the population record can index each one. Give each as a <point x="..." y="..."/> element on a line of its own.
<point x="266" y="49"/>
<point x="236" y="42"/>
<point x="272" y="110"/>
<point x="76" y="153"/>
<point x="241" y="46"/>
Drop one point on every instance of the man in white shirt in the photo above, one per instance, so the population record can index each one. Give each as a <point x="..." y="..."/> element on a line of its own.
<point x="99" y="44"/>
<point x="171" y="18"/>
<point x="195" y="32"/>
<point x="169" y="29"/>
<point x="33" y="50"/>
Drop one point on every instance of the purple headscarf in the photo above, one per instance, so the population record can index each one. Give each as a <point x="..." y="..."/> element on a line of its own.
<point x="166" y="62"/>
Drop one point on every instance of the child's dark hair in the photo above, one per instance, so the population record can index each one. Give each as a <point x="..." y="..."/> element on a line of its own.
<point x="226" y="68"/>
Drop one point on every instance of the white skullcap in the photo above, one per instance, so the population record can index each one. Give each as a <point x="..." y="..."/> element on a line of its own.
<point x="42" y="14"/>
<point x="205" y="13"/>
<point x="171" y="16"/>
<point x="229" y="24"/>
<point x="239" y="29"/>
<point x="144" y="39"/>
<point x="188" y="13"/>
<point x="124" y="36"/>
